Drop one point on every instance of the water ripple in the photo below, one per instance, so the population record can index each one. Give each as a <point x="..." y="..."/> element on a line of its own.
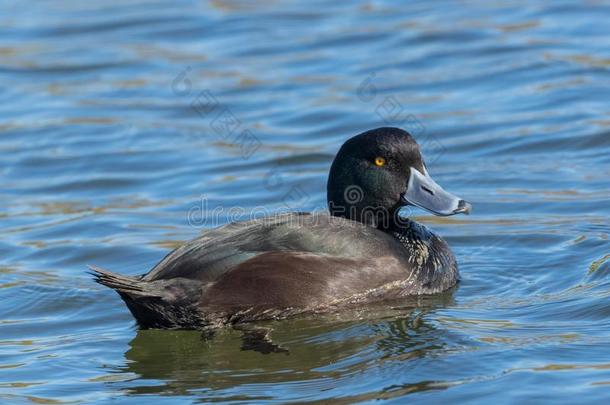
<point x="104" y="155"/>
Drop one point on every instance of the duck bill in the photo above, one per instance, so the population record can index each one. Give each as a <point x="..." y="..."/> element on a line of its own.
<point x="424" y="192"/>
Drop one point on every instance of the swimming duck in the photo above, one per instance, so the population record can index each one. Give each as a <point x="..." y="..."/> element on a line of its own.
<point x="361" y="250"/>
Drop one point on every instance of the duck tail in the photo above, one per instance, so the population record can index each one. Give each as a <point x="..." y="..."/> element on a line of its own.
<point x="149" y="302"/>
<point x="122" y="284"/>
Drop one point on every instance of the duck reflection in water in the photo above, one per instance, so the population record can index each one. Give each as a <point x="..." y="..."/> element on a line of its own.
<point x="322" y="346"/>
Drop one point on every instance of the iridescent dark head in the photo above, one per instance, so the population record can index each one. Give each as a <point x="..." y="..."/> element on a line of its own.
<point x="379" y="171"/>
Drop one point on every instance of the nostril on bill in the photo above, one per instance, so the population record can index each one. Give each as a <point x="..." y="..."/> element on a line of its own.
<point x="426" y="189"/>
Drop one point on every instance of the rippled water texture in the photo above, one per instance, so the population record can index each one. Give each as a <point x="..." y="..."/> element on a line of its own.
<point x="127" y="127"/>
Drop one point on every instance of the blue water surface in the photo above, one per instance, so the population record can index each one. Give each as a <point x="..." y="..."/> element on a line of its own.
<point x="128" y="127"/>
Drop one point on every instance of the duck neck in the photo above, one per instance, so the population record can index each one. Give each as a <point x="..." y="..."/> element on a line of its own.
<point x="397" y="223"/>
<point x="382" y="218"/>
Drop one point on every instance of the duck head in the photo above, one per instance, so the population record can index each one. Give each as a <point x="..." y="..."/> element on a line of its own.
<point x="379" y="171"/>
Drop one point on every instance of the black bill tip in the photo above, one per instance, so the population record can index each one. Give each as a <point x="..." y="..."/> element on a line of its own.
<point x="464" y="207"/>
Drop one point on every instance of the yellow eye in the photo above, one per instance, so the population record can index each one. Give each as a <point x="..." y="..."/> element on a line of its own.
<point x="379" y="161"/>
